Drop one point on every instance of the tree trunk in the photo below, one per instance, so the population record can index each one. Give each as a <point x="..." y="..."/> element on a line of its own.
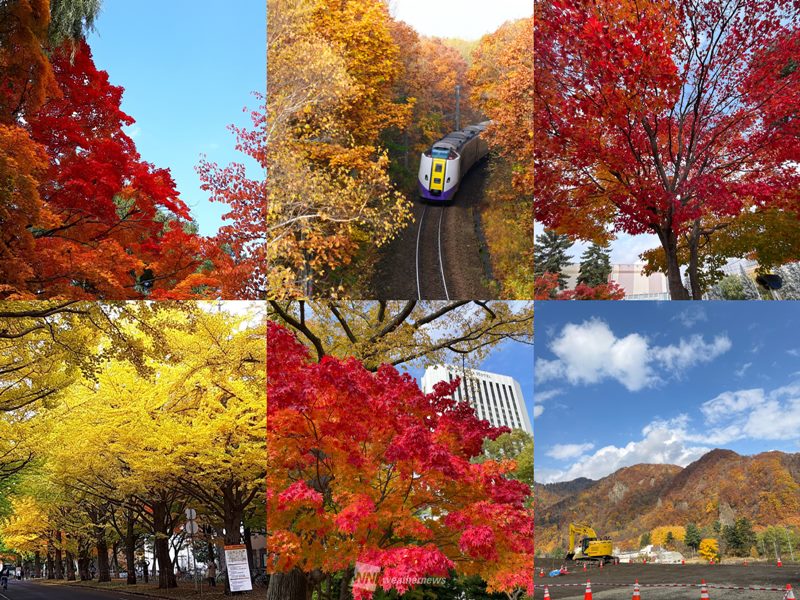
<point x="346" y="592"/>
<point x="50" y="569"/>
<point x="694" y="252"/>
<point x="37" y="564"/>
<point x="677" y="291"/>
<point x="70" y="566"/>
<point x="103" y="567"/>
<point x="130" y="551"/>
<point x="232" y="520"/>
<point x="59" y="563"/>
<point x="84" y="561"/>
<point x="288" y="586"/>
<point x="248" y="542"/>
<point x="161" y="518"/>
<point x="114" y="559"/>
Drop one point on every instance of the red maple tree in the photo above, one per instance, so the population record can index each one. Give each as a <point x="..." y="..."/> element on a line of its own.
<point x="365" y="467"/>
<point x="106" y="224"/>
<point x="666" y="117"/>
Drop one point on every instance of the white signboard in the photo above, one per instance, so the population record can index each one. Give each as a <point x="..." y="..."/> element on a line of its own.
<point x="238" y="568"/>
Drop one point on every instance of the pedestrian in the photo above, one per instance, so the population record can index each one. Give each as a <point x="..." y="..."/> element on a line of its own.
<point x="211" y="573"/>
<point x="4" y="579"/>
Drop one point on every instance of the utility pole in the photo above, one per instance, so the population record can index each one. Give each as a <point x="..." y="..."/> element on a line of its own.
<point x="458" y="107"/>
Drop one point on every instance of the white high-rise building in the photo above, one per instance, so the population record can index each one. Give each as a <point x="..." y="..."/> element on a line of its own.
<point x="495" y="398"/>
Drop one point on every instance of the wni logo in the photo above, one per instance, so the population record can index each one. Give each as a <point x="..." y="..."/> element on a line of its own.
<point x="366" y="577"/>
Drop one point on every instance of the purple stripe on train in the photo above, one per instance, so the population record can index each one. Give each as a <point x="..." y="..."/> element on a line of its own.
<point x="443" y="197"/>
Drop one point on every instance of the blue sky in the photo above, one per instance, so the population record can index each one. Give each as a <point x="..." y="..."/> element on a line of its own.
<point x="621" y="383"/>
<point x="511" y="358"/>
<point x="188" y="68"/>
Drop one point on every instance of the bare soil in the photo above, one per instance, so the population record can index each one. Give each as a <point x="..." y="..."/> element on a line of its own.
<point x="464" y="266"/>
<point x="616" y="581"/>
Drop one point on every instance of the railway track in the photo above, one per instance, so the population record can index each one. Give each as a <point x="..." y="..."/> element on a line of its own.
<point x="429" y="258"/>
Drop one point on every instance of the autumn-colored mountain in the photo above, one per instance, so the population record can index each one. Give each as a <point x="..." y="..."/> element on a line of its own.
<point x="720" y="486"/>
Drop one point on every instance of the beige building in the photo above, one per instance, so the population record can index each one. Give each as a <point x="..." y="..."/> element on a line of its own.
<point x="630" y="278"/>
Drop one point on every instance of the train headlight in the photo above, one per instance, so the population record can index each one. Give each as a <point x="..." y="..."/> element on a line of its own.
<point x="426" y="178"/>
<point x="448" y="180"/>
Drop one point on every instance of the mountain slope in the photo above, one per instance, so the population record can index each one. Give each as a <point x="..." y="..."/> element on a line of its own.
<point x="722" y="485"/>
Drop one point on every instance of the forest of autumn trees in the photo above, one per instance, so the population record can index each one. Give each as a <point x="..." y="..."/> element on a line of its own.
<point x="674" y="118"/>
<point x="154" y="408"/>
<point x="83" y="216"/>
<point x="354" y="97"/>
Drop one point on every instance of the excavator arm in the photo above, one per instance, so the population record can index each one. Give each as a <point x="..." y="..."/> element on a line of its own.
<point x="578" y="529"/>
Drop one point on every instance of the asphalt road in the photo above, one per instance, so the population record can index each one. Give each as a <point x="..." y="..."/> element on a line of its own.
<point x="616" y="582"/>
<point x="29" y="590"/>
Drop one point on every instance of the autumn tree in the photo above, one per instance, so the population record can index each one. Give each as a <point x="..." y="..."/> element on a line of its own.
<point x="172" y="417"/>
<point x="332" y="71"/>
<point x="709" y="549"/>
<point x="405" y="332"/>
<point x="134" y="237"/>
<point x="501" y="80"/>
<point x="671" y="118"/>
<point x="366" y="468"/>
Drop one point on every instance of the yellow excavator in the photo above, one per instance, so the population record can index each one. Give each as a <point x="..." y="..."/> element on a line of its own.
<point x="591" y="548"/>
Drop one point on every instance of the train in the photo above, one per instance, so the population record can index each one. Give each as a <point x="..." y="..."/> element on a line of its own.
<point x="442" y="168"/>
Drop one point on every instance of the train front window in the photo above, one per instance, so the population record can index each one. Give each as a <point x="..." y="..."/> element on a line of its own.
<point x="440" y="152"/>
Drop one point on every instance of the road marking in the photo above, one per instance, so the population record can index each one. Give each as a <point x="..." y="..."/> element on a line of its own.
<point x="441" y="256"/>
<point x="419" y="232"/>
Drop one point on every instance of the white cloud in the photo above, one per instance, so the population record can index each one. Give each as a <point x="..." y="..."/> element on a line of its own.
<point x="538" y="409"/>
<point x="662" y="442"/>
<point x="567" y="451"/>
<point x="547" y="395"/>
<point x="590" y="352"/>
<point x="691" y="316"/>
<point x="690" y="352"/>
<point x="755" y="414"/>
<point x="743" y="369"/>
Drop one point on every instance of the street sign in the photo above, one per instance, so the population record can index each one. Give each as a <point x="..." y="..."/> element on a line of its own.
<point x="238" y="568"/>
<point x="191" y="527"/>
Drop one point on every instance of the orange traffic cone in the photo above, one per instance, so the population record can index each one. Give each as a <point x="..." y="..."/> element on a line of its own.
<point x="584" y="567"/>
<point x="636" y="595"/>
<point x="541" y="573"/>
<point x="703" y="591"/>
<point x="588" y="594"/>
<point x="780" y="564"/>
<point x="789" y="593"/>
<point x="602" y="562"/>
<point x="546" y="594"/>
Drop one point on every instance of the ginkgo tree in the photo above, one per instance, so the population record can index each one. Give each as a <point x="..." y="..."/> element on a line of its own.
<point x="675" y="118"/>
<point x="182" y="426"/>
<point x="366" y="468"/>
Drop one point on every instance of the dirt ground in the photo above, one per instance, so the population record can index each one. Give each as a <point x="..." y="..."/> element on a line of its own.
<point x="615" y="582"/>
<point x="395" y="276"/>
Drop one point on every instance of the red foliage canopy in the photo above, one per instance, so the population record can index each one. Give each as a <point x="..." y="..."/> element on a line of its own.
<point x="365" y="467"/>
<point x="667" y="117"/>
